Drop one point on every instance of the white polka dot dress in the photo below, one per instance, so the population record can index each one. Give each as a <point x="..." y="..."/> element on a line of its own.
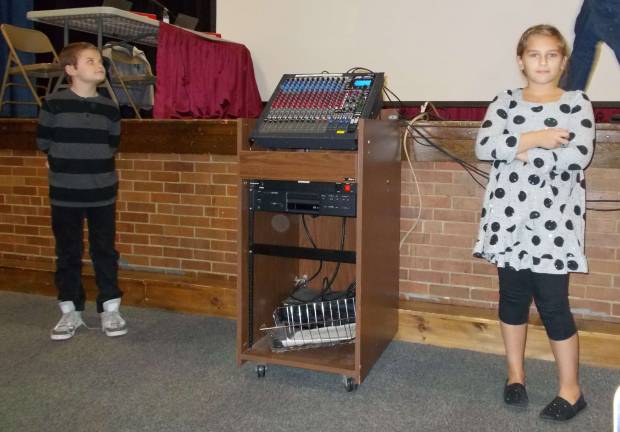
<point x="533" y="215"/>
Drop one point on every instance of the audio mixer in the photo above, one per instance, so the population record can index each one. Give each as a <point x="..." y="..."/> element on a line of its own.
<point x="318" y="111"/>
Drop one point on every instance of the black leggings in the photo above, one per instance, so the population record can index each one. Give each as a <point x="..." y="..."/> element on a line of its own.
<point x="550" y="293"/>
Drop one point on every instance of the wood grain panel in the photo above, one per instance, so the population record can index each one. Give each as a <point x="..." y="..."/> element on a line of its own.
<point x="287" y="165"/>
<point x="143" y="136"/>
<point x="458" y="139"/>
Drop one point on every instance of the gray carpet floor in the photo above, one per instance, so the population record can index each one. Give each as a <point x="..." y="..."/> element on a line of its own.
<point x="177" y="372"/>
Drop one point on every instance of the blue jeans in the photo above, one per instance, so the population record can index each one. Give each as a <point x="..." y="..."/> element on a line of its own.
<point x="598" y="21"/>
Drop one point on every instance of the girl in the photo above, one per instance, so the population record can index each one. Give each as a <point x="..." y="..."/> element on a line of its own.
<point x="540" y="139"/>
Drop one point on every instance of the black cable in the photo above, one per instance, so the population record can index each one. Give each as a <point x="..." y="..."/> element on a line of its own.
<point x="327" y="283"/>
<point x="303" y="221"/>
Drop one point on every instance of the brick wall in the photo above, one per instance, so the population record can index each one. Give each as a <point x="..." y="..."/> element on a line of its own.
<point x="176" y="213"/>
<point x="436" y="262"/>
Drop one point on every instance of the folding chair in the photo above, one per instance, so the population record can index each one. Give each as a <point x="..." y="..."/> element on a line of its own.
<point x="28" y="41"/>
<point x="130" y="75"/>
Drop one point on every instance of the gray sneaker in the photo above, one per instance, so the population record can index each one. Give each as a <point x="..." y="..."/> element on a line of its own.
<point x="112" y="323"/>
<point x="68" y="323"/>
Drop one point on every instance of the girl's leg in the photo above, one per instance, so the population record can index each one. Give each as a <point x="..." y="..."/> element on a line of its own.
<point x="514" y="342"/>
<point x="566" y="353"/>
<point x="515" y="296"/>
<point x="551" y="297"/>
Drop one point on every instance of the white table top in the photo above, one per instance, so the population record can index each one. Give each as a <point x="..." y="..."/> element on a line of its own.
<point x="116" y="23"/>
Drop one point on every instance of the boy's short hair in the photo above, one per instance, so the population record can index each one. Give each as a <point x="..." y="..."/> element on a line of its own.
<point x="69" y="54"/>
<point x="543" y="30"/>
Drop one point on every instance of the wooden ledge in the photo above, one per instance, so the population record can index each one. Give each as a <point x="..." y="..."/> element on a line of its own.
<point x="478" y="329"/>
<point x="206" y="293"/>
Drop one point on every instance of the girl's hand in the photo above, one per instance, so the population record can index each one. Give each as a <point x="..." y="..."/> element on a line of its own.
<point x="551" y="138"/>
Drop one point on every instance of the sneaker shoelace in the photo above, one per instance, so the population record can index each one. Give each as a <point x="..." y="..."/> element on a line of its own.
<point x="69" y="321"/>
<point x="112" y="320"/>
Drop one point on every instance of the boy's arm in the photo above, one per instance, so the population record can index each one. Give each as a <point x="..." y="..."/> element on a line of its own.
<point x="114" y="136"/>
<point x="45" y="128"/>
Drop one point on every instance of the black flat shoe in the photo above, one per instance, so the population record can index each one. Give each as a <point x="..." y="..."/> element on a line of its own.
<point x="515" y="395"/>
<point x="559" y="409"/>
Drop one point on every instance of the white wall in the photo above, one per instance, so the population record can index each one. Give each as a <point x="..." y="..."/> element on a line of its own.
<point x="437" y="50"/>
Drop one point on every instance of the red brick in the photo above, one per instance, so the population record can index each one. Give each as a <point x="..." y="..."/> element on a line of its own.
<point x="209" y="190"/>
<point x="449" y="291"/>
<point x="179" y="188"/>
<point x="590" y="306"/>
<point x="212" y="167"/>
<point x="165" y="209"/>
<point x="430" y="251"/>
<point x="133" y="175"/>
<point x="599" y="252"/>
<point x="165" y="198"/>
<point x="148" y="250"/>
<point x="407" y="286"/>
<point x="194" y="243"/>
<point x="600" y="293"/>
<point x="160" y="219"/>
<point x="180" y="231"/>
<point x="484" y="268"/>
<point x="208" y="255"/>
<point x="134" y="196"/>
<point x="148" y="187"/>
<point x="165" y="262"/>
<point x="149" y="229"/>
<point x="490" y="295"/>
<point x="451" y="266"/>
<point x="429" y="276"/>
<point x="224" y="268"/>
<point x="209" y="233"/>
<point x="186" y="210"/>
<point x="164" y="176"/>
<point x="133" y="217"/>
<point x="162" y="240"/>
<point x="476" y="281"/>
<point x="195" y="200"/>
<point x="225" y="179"/>
<point x="577" y="290"/>
<point x="191" y="177"/>
<point x="591" y="279"/>
<point x="200" y="266"/>
<point x="140" y="207"/>
<point x="600" y="266"/>
<point x="455" y="215"/>
<point x="133" y="238"/>
<point x="180" y="167"/>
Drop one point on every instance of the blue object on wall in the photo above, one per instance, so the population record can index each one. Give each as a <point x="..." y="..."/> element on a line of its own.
<point x="14" y="12"/>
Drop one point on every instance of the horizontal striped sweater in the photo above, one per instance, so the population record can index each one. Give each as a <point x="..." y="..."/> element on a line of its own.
<point x="80" y="137"/>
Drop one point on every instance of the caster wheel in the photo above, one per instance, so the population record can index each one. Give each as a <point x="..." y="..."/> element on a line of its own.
<point x="260" y="370"/>
<point x="349" y="383"/>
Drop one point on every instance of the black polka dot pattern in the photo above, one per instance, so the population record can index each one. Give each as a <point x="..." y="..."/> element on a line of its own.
<point x="535" y="204"/>
<point x="551" y="122"/>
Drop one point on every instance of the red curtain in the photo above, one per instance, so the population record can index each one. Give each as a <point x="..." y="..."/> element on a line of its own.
<point x="199" y="78"/>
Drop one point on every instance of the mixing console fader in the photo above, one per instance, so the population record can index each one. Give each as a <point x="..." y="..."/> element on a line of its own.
<point x="318" y="111"/>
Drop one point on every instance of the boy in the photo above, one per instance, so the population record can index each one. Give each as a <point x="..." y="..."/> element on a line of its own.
<point x="79" y="130"/>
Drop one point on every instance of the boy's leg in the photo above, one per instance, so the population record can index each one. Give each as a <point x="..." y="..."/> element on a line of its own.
<point x="101" y="236"/>
<point x="67" y="226"/>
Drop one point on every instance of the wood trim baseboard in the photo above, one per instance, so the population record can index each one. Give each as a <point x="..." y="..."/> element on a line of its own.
<point x="459" y="327"/>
